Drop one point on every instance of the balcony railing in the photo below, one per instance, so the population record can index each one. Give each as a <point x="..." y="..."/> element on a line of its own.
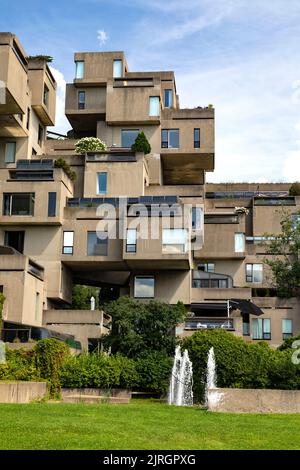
<point x="202" y="323"/>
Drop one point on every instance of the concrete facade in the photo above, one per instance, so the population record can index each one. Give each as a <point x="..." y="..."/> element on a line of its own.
<point x="42" y="209"/>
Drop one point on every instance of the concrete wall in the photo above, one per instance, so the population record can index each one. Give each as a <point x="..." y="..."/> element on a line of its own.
<point x="233" y="400"/>
<point x="22" y="392"/>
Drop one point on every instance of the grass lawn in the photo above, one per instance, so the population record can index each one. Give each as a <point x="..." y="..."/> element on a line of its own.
<point x="144" y="424"/>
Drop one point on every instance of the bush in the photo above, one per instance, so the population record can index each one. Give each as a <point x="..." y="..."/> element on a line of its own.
<point x="61" y="163"/>
<point x="295" y="189"/>
<point x="20" y="365"/>
<point x="154" y="371"/>
<point x="49" y="355"/>
<point x="90" y="144"/>
<point x="100" y="371"/>
<point x="141" y="144"/>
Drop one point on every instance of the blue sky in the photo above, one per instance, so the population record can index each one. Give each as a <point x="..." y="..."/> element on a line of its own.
<point x="241" y="56"/>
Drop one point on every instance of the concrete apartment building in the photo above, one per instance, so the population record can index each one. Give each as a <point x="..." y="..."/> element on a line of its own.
<point x="49" y="223"/>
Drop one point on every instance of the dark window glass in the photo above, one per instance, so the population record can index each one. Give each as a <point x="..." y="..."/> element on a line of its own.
<point x="51" y="204"/>
<point x="97" y="244"/>
<point x="197" y="138"/>
<point x="28" y="118"/>
<point x="168" y="98"/>
<point x="15" y="239"/>
<point x="81" y="99"/>
<point x="128" y="137"/>
<point x="170" y="138"/>
<point x="40" y="135"/>
<point x="18" y="204"/>
<point x="196" y="217"/>
<point x="46" y="95"/>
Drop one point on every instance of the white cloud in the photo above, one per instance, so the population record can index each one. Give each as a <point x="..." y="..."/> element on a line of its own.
<point x="102" y="37"/>
<point x="61" y="123"/>
<point x="291" y="166"/>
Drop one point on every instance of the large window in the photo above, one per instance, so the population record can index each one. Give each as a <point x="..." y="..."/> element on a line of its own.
<point x="97" y="244"/>
<point x="10" y="152"/>
<point x="254" y="273"/>
<point x="51" y="204"/>
<point x="131" y="240"/>
<point x="117" y="73"/>
<point x="197" y="138"/>
<point x="79" y="69"/>
<point x="170" y="138"/>
<point x="239" y="242"/>
<point x="144" y="287"/>
<point x="102" y="182"/>
<point x="261" y="328"/>
<point x="81" y="99"/>
<point x="174" y="240"/>
<point x="154" y="106"/>
<point x="18" y="203"/>
<point x="68" y="243"/>
<point x="128" y="137"/>
<point x="168" y="98"/>
<point x="15" y="239"/>
<point x="197" y="215"/>
<point x="287" y="328"/>
<point x="207" y="267"/>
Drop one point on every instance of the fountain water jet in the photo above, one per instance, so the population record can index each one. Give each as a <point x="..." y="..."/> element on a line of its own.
<point x="211" y="375"/>
<point x="181" y="382"/>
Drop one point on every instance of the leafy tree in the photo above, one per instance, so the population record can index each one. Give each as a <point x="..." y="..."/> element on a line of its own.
<point x="295" y="189"/>
<point x="81" y="296"/>
<point x="139" y="327"/>
<point x="284" y="250"/>
<point x="141" y="144"/>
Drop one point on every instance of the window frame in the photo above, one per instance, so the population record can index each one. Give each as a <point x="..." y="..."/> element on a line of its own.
<point x="14" y="144"/>
<point x="166" y="246"/>
<point x="133" y="230"/>
<point x="103" y="243"/>
<point x="266" y="335"/>
<point x="80" y="102"/>
<point x="236" y="242"/>
<point x="106" y="181"/>
<point x="52" y="204"/>
<point x="249" y="277"/>
<point x="157" y="101"/>
<point x="46" y="95"/>
<point x="165" y="144"/>
<point x="79" y="76"/>
<point x="71" y="252"/>
<point x="197" y="142"/>
<point x="286" y="335"/>
<point x="128" y="130"/>
<point x="134" y="287"/>
<point x="9" y="197"/>
<point x="170" y="94"/>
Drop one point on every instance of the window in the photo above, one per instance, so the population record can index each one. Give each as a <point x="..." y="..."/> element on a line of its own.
<point x="102" y="183"/>
<point x="28" y="119"/>
<point x="18" y="203"/>
<point x="68" y="243"/>
<point x="261" y="328"/>
<point x="174" y="240"/>
<point x="239" y="242"/>
<point x="131" y="240"/>
<point x="128" y="137"/>
<point x="207" y="267"/>
<point x="246" y="324"/>
<point x="81" y="99"/>
<point x="15" y="239"/>
<point x="46" y="95"/>
<point x="254" y="273"/>
<point x="40" y="135"/>
<point x="196" y="218"/>
<point x="287" y="328"/>
<point x="37" y="305"/>
<point x="168" y="98"/>
<point x="51" y="204"/>
<point x="197" y="138"/>
<point x="144" y="287"/>
<point x="117" y="68"/>
<point x="10" y="152"/>
<point x="79" y="69"/>
<point x="97" y="243"/>
<point x="154" y="106"/>
<point x="170" y="138"/>
<point x="219" y="283"/>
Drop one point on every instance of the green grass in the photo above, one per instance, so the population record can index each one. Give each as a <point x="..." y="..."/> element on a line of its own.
<point x="141" y="425"/>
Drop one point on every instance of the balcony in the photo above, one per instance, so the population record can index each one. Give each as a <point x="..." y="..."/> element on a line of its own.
<point x="211" y="294"/>
<point x="206" y="323"/>
<point x="11" y="125"/>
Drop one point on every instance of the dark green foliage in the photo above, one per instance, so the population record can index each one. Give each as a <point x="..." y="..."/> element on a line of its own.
<point x="141" y="144"/>
<point x="100" y="371"/>
<point x="49" y="356"/>
<point x="20" y="365"/>
<point x="81" y="296"/>
<point x="154" y="371"/>
<point x="295" y="189"/>
<point x="46" y="58"/>
<point x="139" y="327"/>
<point x="61" y="163"/>
<point x="287" y="343"/>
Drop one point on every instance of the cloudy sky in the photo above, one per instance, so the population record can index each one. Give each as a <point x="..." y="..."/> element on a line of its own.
<point x="242" y="56"/>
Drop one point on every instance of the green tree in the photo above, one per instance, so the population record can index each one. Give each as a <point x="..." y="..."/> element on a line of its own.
<point x="138" y="327"/>
<point x="141" y="144"/>
<point x="81" y="296"/>
<point x="283" y="256"/>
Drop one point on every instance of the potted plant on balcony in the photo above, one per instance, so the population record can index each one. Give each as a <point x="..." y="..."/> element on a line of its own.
<point x="90" y="144"/>
<point x="141" y="144"/>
